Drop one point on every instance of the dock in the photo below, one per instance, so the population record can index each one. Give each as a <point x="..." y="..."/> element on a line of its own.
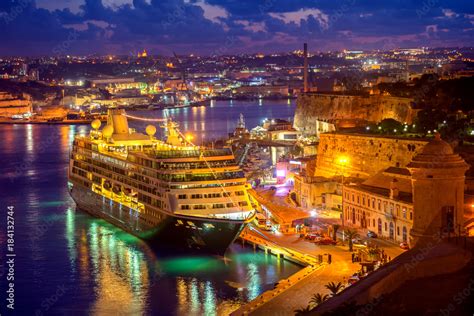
<point x="310" y="263"/>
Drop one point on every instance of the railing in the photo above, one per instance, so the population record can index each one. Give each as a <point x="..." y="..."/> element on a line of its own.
<point x="164" y="154"/>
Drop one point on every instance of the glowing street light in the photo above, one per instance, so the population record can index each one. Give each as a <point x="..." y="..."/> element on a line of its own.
<point x="343" y="160"/>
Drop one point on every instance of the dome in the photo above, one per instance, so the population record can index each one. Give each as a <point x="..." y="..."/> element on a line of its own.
<point x="150" y="130"/>
<point x="437" y="147"/>
<point x="95" y="124"/>
<point x="107" y="131"/>
<point x="437" y="154"/>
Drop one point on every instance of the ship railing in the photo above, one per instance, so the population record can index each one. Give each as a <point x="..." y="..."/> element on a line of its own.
<point x="165" y="154"/>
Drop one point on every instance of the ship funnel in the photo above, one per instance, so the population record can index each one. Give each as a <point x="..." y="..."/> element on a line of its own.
<point x="117" y="119"/>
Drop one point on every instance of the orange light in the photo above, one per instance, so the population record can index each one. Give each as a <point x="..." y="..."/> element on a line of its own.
<point x="189" y="137"/>
<point x="343" y="160"/>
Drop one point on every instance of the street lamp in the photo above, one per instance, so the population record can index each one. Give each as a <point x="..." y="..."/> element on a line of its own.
<point x="343" y="161"/>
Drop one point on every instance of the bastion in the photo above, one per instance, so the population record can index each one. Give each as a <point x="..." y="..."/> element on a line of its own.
<point x="313" y="107"/>
<point x="364" y="154"/>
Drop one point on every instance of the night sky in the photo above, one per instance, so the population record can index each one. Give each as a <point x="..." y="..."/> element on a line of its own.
<point x="60" y="27"/>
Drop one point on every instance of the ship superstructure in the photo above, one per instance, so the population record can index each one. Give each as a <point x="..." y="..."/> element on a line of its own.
<point x="170" y="192"/>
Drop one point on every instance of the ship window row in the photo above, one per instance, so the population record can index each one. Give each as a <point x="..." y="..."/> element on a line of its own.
<point x="173" y="177"/>
<point x="193" y="165"/>
<point x="209" y="195"/>
<point x="201" y="177"/>
<point x="164" y="154"/>
<point x="206" y="185"/>
<point x="213" y="206"/>
<point x="125" y="180"/>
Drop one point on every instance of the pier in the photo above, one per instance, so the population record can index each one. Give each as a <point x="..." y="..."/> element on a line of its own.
<point x="310" y="263"/>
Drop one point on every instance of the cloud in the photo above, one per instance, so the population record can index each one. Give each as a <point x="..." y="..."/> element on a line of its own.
<point x="202" y="26"/>
<point x="213" y="13"/>
<point x="298" y="16"/>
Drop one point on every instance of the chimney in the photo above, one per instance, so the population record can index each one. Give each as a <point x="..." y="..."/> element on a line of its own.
<point x="305" y="73"/>
<point x="394" y="192"/>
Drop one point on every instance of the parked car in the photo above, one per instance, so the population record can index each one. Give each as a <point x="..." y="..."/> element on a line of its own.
<point x="371" y="234"/>
<point x="311" y="236"/>
<point x="404" y="245"/>
<point x="357" y="241"/>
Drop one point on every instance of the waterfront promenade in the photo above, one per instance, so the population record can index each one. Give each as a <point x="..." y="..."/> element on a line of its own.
<point x="296" y="292"/>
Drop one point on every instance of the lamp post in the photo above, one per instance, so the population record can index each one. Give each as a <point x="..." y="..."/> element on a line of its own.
<point x="343" y="161"/>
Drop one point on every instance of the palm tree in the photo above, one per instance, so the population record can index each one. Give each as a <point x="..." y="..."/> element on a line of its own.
<point x="318" y="298"/>
<point x="303" y="310"/>
<point x="351" y="234"/>
<point x="334" y="288"/>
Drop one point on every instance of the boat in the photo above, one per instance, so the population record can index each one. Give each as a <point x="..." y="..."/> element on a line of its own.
<point x="170" y="192"/>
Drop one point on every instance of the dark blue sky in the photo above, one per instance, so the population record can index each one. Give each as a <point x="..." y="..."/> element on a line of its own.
<point x="59" y="27"/>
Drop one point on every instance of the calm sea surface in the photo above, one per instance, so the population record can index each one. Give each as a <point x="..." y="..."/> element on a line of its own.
<point x="69" y="263"/>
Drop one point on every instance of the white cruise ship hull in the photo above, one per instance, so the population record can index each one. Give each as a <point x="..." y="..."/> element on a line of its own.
<point x="175" y="232"/>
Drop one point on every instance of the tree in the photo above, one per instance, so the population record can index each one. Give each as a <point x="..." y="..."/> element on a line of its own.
<point x="390" y="126"/>
<point x="427" y="120"/>
<point x="334" y="288"/>
<point x="318" y="299"/>
<point x="303" y="310"/>
<point x="351" y="234"/>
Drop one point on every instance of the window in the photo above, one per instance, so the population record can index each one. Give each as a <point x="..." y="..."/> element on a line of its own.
<point x="398" y="230"/>
<point x="182" y="196"/>
<point x="379" y="205"/>
<point x="385" y="226"/>
<point x="185" y="207"/>
<point x="243" y="203"/>
<point x="404" y="212"/>
<point x="411" y="216"/>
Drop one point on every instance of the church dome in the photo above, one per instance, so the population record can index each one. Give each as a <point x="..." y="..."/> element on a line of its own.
<point x="437" y="147"/>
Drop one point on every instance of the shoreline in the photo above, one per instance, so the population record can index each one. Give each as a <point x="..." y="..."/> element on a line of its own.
<point x="309" y="263"/>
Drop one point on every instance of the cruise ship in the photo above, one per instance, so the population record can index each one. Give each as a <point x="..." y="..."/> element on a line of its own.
<point x="169" y="192"/>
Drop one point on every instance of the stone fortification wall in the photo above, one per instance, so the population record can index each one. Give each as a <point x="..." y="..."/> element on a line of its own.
<point x="311" y="107"/>
<point x="367" y="154"/>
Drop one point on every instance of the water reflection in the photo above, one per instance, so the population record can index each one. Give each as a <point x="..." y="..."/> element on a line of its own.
<point x="105" y="270"/>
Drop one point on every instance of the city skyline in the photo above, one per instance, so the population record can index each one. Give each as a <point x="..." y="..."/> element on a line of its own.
<point x="212" y="27"/>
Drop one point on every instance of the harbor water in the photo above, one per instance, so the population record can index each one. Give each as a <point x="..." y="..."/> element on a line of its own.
<point x="69" y="263"/>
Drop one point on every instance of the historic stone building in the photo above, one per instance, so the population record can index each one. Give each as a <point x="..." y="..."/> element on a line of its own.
<point x="438" y="180"/>
<point x="366" y="154"/>
<point x="383" y="204"/>
<point x="414" y="204"/>
<point x="14" y="105"/>
<point x="313" y="107"/>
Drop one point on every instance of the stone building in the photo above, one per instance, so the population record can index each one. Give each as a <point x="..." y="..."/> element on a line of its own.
<point x="311" y="107"/>
<point x="367" y="154"/>
<point x="383" y="203"/>
<point x="438" y="180"/>
<point x="11" y="105"/>
<point x="413" y="204"/>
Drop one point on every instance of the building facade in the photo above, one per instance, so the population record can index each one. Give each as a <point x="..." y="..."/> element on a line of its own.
<point x="382" y="204"/>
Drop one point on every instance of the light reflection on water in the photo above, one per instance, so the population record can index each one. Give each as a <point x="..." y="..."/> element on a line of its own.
<point x="104" y="270"/>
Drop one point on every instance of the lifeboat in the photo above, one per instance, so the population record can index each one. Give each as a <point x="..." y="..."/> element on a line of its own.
<point x="107" y="185"/>
<point x="117" y="189"/>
